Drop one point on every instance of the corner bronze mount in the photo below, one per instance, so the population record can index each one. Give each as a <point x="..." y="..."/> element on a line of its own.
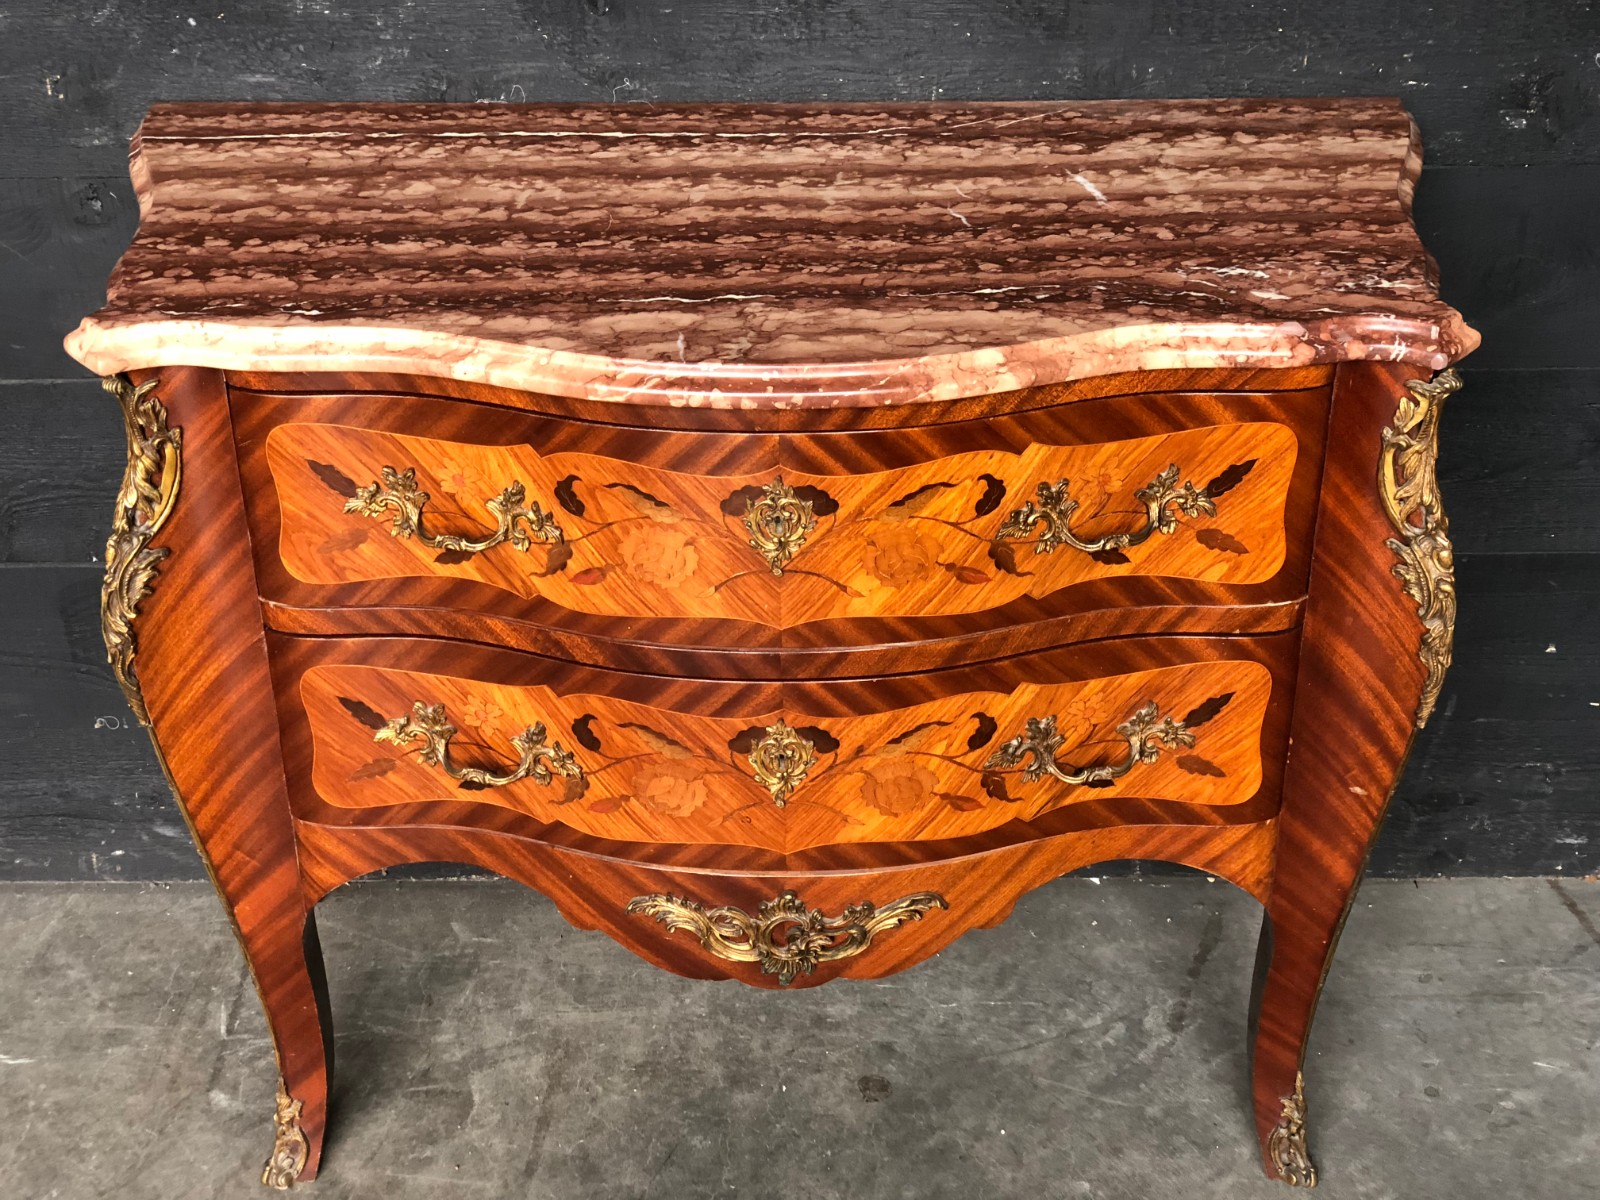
<point x="1409" y="487"/>
<point x="1053" y="507"/>
<point x="1287" y="1144"/>
<point x="779" y="522"/>
<point x="537" y="759"/>
<point x="781" y="759"/>
<point x="516" y="520"/>
<point x="1147" y="732"/>
<point x="289" y="1146"/>
<point x="785" y="937"/>
<point x="150" y="485"/>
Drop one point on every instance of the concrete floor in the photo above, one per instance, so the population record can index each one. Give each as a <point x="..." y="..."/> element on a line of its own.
<point x="1092" y="1046"/>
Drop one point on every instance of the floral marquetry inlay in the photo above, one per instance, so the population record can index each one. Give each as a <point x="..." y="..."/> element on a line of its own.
<point x="790" y="780"/>
<point x="960" y="534"/>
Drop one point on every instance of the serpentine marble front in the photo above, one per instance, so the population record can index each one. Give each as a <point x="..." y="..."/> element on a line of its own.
<point x="782" y="535"/>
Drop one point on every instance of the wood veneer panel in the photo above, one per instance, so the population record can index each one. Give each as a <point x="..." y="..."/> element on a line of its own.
<point x="593" y="890"/>
<point x="645" y="772"/>
<point x="470" y="610"/>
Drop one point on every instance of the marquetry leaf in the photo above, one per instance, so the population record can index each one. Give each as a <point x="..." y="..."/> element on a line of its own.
<point x="333" y="478"/>
<point x="590" y="575"/>
<point x="984" y="733"/>
<point x="1207" y="709"/>
<point x="1230" y="478"/>
<point x="1196" y="765"/>
<point x="737" y="502"/>
<point x="368" y="716"/>
<point x="573" y="788"/>
<point x="1113" y="558"/>
<point x="994" y="493"/>
<point x="451" y="557"/>
<point x="964" y="574"/>
<point x="994" y="784"/>
<point x="608" y="804"/>
<point x="823" y="741"/>
<point x="658" y="741"/>
<point x="1218" y="539"/>
<point x="745" y="740"/>
<point x="373" y="769"/>
<point x="647" y="505"/>
<point x="583" y="730"/>
<point x="1004" y="556"/>
<point x="914" y="502"/>
<point x="345" y="539"/>
<point x="822" y="504"/>
<point x="557" y="556"/>
<point x="902" y="742"/>
<point x="567" y="495"/>
<point x="471" y="785"/>
<point x="960" y="803"/>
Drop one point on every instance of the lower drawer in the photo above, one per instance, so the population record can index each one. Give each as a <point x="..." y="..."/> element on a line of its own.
<point x="398" y="731"/>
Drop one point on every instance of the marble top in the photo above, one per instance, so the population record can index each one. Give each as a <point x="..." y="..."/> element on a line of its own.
<point x="774" y="255"/>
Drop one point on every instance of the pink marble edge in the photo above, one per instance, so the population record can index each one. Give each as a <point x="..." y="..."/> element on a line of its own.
<point x="110" y="347"/>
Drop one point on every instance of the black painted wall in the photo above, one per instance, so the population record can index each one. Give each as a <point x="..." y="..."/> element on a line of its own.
<point x="1505" y="779"/>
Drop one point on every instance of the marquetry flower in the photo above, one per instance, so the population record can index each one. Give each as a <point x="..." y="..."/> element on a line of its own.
<point x="897" y="786"/>
<point x="1110" y="481"/>
<point x="674" y="788"/>
<point x="659" y="555"/>
<point x="1077" y="714"/>
<point x="900" y="554"/>
<point x="479" y="713"/>
<point x="458" y="481"/>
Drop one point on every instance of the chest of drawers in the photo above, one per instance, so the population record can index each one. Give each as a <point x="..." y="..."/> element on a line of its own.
<point x="782" y="535"/>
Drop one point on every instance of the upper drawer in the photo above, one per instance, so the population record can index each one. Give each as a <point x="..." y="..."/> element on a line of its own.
<point x="377" y="501"/>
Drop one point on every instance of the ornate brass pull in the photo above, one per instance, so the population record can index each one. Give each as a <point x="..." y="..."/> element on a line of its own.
<point x="518" y="521"/>
<point x="536" y="759"/>
<point x="784" y="937"/>
<point x="779" y="522"/>
<point x="1053" y="507"/>
<point x="1147" y="733"/>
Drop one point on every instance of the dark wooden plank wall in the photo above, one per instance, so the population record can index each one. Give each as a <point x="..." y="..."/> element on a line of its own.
<point x="1507" y="778"/>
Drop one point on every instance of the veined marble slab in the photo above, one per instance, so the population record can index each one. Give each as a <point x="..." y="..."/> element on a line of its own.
<point x="774" y="255"/>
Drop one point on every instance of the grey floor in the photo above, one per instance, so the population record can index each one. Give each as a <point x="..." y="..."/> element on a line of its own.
<point x="1092" y="1046"/>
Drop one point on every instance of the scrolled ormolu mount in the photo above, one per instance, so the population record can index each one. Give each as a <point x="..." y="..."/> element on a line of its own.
<point x="537" y="759"/>
<point x="785" y="938"/>
<point x="1147" y="733"/>
<point x="290" y="1150"/>
<point x="779" y="522"/>
<point x="1287" y="1145"/>
<point x="1053" y="507"/>
<point x="780" y="760"/>
<point x="1409" y="485"/>
<point x="517" y="521"/>
<point x="149" y="489"/>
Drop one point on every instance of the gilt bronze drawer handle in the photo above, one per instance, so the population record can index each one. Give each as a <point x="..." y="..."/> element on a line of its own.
<point x="785" y="937"/>
<point x="1053" y="507"/>
<point x="1147" y="732"/>
<point x="779" y="522"/>
<point x="518" y="521"/>
<point x="537" y="759"/>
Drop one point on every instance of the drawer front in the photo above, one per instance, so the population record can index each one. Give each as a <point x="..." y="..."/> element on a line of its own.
<point x="782" y="546"/>
<point x="787" y="767"/>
